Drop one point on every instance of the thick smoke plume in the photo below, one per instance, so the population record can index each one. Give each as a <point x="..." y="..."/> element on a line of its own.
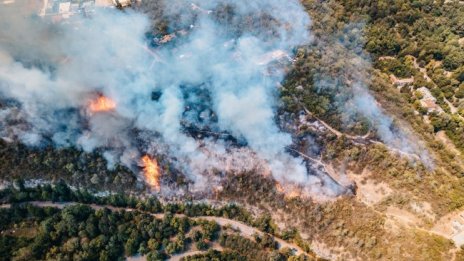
<point x="216" y="73"/>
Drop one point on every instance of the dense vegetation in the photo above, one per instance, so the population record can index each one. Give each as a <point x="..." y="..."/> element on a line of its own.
<point x="80" y="232"/>
<point x="60" y="192"/>
<point x="421" y="41"/>
<point x="76" y="167"/>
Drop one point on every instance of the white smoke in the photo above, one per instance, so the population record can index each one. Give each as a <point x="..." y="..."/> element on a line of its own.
<point x="354" y="77"/>
<point x="218" y="69"/>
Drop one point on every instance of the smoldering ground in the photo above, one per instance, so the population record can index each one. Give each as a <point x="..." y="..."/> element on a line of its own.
<point x="214" y="76"/>
<point x="214" y="69"/>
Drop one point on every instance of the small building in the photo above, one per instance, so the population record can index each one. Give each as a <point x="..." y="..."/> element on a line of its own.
<point x="167" y="38"/>
<point x="401" y="82"/>
<point x="104" y="3"/>
<point x="64" y="9"/>
<point x="277" y="55"/>
<point x="59" y="9"/>
<point x="428" y="101"/>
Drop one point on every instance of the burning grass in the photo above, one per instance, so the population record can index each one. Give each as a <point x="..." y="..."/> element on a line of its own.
<point x="102" y="104"/>
<point x="151" y="172"/>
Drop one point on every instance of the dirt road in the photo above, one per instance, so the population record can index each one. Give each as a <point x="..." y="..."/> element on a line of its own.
<point x="244" y="229"/>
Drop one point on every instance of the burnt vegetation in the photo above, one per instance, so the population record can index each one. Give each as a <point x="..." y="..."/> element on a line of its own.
<point x="402" y="33"/>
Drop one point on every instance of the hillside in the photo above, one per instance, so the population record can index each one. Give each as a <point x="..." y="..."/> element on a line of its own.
<point x="307" y="130"/>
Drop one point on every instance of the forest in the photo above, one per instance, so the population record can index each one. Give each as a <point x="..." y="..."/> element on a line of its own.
<point x="412" y="54"/>
<point x="124" y="227"/>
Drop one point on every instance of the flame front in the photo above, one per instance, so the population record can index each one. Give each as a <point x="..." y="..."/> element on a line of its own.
<point x="102" y="104"/>
<point x="289" y="191"/>
<point x="151" y="172"/>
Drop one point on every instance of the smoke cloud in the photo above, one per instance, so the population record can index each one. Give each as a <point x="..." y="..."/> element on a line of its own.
<point x="354" y="77"/>
<point x="217" y="75"/>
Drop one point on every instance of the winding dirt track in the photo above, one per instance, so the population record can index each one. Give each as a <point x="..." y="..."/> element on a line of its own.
<point x="357" y="139"/>
<point x="245" y="230"/>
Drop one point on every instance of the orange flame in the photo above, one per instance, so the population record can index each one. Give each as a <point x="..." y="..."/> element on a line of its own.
<point x="102" y="104"/>
<point x="289" y="191"/>
<point x="151" y="172"/>
<point x="279" y="188"/>
<point x="294" y="193"/>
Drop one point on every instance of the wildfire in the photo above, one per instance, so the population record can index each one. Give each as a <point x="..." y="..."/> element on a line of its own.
<point x="294" y="193"/>
<point x="289" y="191"/>
<point x="102" y="104"/>
<point x="279" y="188"/>
<point x="151" y="172"/>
